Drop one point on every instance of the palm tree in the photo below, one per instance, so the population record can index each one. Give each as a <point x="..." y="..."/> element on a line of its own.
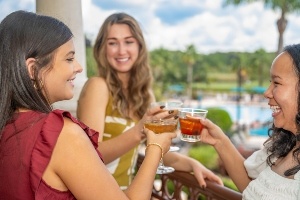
<point x="189" y="58"/>
<point x="258" y="65"/>
<point x="285" y="6"/>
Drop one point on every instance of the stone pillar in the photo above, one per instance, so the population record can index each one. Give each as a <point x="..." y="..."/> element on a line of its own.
<point x="69" y="12"/>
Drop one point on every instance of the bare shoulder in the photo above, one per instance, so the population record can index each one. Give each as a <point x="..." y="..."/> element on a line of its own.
<point x="72" y="139"/>
<point x="73" y="132"/>
<point x="95" y="83"/>
<point x="94" y="89"/>
<point x="92" y="101"/>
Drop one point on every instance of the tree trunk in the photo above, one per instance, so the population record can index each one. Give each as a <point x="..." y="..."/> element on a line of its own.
<point x="190" y="81"/>
<point x="281" y="25"/>
<point x="260" y="74"/>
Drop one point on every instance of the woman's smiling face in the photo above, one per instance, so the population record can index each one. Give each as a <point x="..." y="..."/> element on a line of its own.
<point x="58" y="81"/>
<point x="282" y="92"/>
<point x="122" y="48"/>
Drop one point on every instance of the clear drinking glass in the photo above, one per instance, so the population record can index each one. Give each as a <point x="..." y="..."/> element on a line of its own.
<point x="190" y="125"/>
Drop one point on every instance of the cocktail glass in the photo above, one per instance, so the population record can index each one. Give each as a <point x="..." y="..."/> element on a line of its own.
<point x="190" y="125"/>
<point x="170" y="105"/>
<point x="161" y="126"/>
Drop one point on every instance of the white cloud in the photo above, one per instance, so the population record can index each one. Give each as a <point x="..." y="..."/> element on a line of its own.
<point x="214" y="28"/>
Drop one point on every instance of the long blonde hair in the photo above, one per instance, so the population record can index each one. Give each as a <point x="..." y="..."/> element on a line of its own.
<point x="140" y="81"/>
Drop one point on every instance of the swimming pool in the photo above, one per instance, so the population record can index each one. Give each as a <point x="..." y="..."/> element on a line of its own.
<point x="262" y="131"/>
<point x="248" y="114"/>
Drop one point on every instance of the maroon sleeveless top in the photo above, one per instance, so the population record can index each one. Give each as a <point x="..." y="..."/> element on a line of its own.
<point x="26" y="146"/>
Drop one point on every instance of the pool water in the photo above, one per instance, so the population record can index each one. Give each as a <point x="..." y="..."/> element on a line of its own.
<point x="263" y="131"/>
<point x="248" y="114"/>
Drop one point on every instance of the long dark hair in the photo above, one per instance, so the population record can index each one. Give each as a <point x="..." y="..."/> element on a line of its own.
<point x="26" y="35"/>
<point x="283" y="141"/>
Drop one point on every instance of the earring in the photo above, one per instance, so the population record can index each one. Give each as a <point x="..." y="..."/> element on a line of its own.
<point x="38" y="86"/>
<point x="41" y="84"/>
<point x="35" y="86"/>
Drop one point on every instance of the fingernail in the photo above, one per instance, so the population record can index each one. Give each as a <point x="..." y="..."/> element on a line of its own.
<point x="175" y="117"/>
<point x="203" y="187"/>
<point x="162" y="107"/>
<point x="171" y="111"/>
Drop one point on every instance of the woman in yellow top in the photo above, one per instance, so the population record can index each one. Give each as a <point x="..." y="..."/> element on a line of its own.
<point x="114" y="103"/>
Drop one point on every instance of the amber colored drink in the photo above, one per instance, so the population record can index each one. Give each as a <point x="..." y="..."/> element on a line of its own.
<point x="190" y="126"/>
<point x="161" y="126"/>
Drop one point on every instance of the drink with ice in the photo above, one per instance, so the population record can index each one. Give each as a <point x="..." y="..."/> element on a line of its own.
<point x="190" y="125"/>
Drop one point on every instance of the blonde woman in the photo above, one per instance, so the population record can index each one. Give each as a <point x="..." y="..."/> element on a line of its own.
<point x="115" y="102"/>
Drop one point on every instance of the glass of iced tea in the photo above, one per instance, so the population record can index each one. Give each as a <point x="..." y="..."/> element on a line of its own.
<point x="189" y="123"/>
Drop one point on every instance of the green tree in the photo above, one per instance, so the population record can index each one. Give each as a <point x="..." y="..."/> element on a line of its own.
<point x="259" y="63"/>
<point x="285" y="7"/>
<point x="166" y="70"/>
<point x="189" y="57"/>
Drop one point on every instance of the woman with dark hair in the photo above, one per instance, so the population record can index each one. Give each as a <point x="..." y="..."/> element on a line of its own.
<point x="273" y="172"/>
<point x="46" y="153"/>
<point x="115" y="102"/>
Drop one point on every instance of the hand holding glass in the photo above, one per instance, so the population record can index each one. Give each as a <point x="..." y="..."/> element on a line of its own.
<point x="190" y="125"/>
<point x="161" y="126"/>
<point x="169" y="105"/>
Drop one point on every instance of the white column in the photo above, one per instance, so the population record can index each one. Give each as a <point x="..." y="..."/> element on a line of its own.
<point x="69" y="12"/>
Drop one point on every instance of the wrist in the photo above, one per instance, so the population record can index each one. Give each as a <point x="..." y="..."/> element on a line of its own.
<point x="152" y="145"/>
<point x="139" y="131"/>
<point x="222" y="144"/>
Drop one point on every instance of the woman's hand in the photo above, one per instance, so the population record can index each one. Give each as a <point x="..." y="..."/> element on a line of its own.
<point x="184" y="163"/>
<point x="202" y="173"/>
<point x="156" y="112"/>
<point x="163" y="139"/>
<point x="211" y="133"/>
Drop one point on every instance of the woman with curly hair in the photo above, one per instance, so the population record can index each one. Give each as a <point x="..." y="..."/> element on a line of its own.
<point x="272" y="172"/>
<point x="115" y="102"/>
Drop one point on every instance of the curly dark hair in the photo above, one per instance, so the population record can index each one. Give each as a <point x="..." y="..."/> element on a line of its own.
<point x="282" y="141"/>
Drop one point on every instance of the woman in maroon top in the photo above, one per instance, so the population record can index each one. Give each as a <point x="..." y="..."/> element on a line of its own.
<point x="45" y="153"/>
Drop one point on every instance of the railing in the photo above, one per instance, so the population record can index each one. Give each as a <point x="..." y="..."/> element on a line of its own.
<point x="185" y="186"/>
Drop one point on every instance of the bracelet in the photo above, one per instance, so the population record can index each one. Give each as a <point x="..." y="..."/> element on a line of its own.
<point x="156" y="144"/>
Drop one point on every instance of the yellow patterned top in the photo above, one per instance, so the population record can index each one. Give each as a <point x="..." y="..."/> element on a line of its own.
<point x="122" y="168"/>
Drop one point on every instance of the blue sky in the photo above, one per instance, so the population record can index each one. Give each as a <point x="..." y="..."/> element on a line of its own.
<point x="175" y="24"/>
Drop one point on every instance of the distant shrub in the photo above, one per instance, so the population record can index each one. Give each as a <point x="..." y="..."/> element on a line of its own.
<point x="205" y="154"/>
<point x="91" y="65"/>
<point x="221" y="118"/>
<point x="208" y="156"/>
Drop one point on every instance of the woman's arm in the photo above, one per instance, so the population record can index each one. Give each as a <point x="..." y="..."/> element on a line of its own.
<point x="91" y="110"/>
<point x="232" y="159"/>
<point x="185" y="163"/>
<point x="76" y="166"/>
